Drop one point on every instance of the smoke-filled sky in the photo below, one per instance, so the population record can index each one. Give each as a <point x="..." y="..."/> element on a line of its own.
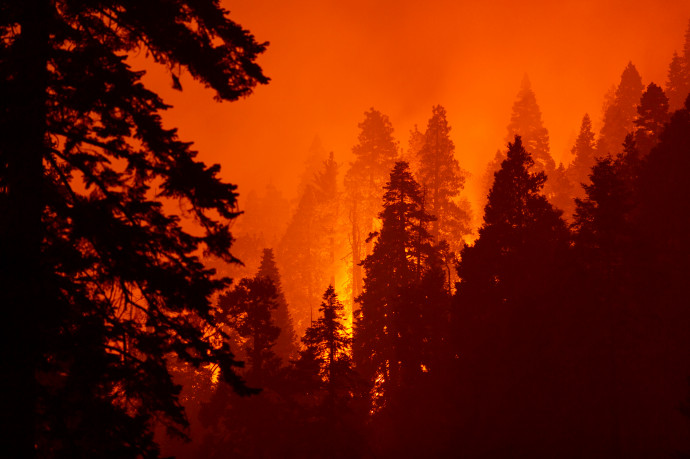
<point x="329" y="61"/>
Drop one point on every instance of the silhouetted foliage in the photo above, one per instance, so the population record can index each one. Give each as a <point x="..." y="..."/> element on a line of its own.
<point x="248" y="310"/>
<point x="286" y="344"/>
<point x="677" y="84"/>
<point x="100" y="281"/>
<point x="584" y="152"/>
<point x="442" y="180"/>
<point x="507" y="310"/>
<point x="621" y="112"/>
<point x="307" y="250"/>
<point x="526" y="121"/>
<point x="652" y="116"/>
<point x="375" y="153"/>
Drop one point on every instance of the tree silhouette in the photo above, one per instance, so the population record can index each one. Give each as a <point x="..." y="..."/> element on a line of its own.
<point x="286" y="344"/>
<point x="327" y="343"/>
<point x="620" y="113"/>
<point x="517" y="220"/>
<point x="568" y="182"/>
<point x="526" y="121"/>
<point x="652" y="116"/>
<point x="442" y="180"/>
<point x="677" y="84"/>
<point x="100" y="280"/>
<point x="387" y="338"/>
<point x="307" y="249"/>
<point x="375" y="153"/>
<point x="584" y="152"/>
<point x="326" y="188"/>
<point x="507" y="312"/>
<point x="248" y="310"/>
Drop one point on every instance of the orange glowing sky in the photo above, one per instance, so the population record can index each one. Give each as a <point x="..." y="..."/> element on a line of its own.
<point x="329" y="61"/>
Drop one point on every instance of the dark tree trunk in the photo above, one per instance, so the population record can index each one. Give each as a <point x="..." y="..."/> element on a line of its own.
<point x="25" y="312"/>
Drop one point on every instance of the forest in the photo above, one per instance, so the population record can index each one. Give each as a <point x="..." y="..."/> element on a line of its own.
<point x="151" y="310"/>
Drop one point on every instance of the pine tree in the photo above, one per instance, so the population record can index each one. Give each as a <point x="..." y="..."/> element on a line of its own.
<point x="442" y="180"/>
<point x="100" y="282"/>
<point x="300" y="257"/>
<point x="508" y="313"/>
<point x="327" y="342"/>
<point x="526" y="122"/>
<point x="577" y="173"/>
<point x="326" y="188"/>
<point x="620" y="114"/>
<point x="375" y="154"/>
<point x="248" y="310"/>
<point x="520" y="234"/>
<point x="286" y="344"/>
<point x="387" y="338"/>
<point x="678" y="82"/>
<point x="584" y="152"/>
<point x="652" y="116"/>
<point x="307" y="249"/>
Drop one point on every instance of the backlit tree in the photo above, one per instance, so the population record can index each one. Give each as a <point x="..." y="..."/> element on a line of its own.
<point x="100" y="282"/>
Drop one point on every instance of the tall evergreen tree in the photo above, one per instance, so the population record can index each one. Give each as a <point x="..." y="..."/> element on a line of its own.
<point x="387" y="338"/>
<point x="442" y="180"/>
<point x="584" y="153"/>
<point x="517" y="221"/>
<point x="620" y="114"/>
<point x="526" y="122"/>
<point x="99" y="281"/>
<point x="286" y="344"/>
<point x="577" y="173"/>
<point x="375" y="153"/>
<point x="652" y="116"/>
<point x="248" y="310"/>
<point x="507" y="313"/>
<point x="328" y="342"/>
<point x="326" y="188"/>
<point x="678" y="82"/>
<point x="308" y="247"/>
<point x="300" y="257"/>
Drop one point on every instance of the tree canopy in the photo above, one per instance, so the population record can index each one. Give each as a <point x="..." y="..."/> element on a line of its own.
<point x="100" y="280"/>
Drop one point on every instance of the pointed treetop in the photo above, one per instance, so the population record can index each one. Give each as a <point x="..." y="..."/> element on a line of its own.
<point x="526" y="122"/>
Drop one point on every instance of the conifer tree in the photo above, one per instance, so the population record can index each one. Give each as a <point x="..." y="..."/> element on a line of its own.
<point x="326" y="188"/>
<point x="620" y="114"/>
<point x="327" y="342"/>
<point x="678" y="82"/>
<point x="375" y="153"/>
<point x="286" y="345"/>
<point x="521" y="232"/>
<point x="652" y="116"/>
<point x="388" y="341"/>
<point x="307" y="249"/>
<point x="509" y="307"/>
<point x="248" y="310"/>
<point x="101" y="282"/>
<point x="584" y="152"/>
<point x="442" y="180"/>
<point x="569" y="183"/>
<point x="526" y="122"/>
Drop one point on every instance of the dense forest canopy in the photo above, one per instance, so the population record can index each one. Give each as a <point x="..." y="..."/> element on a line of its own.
<point x="398" y="302"/>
